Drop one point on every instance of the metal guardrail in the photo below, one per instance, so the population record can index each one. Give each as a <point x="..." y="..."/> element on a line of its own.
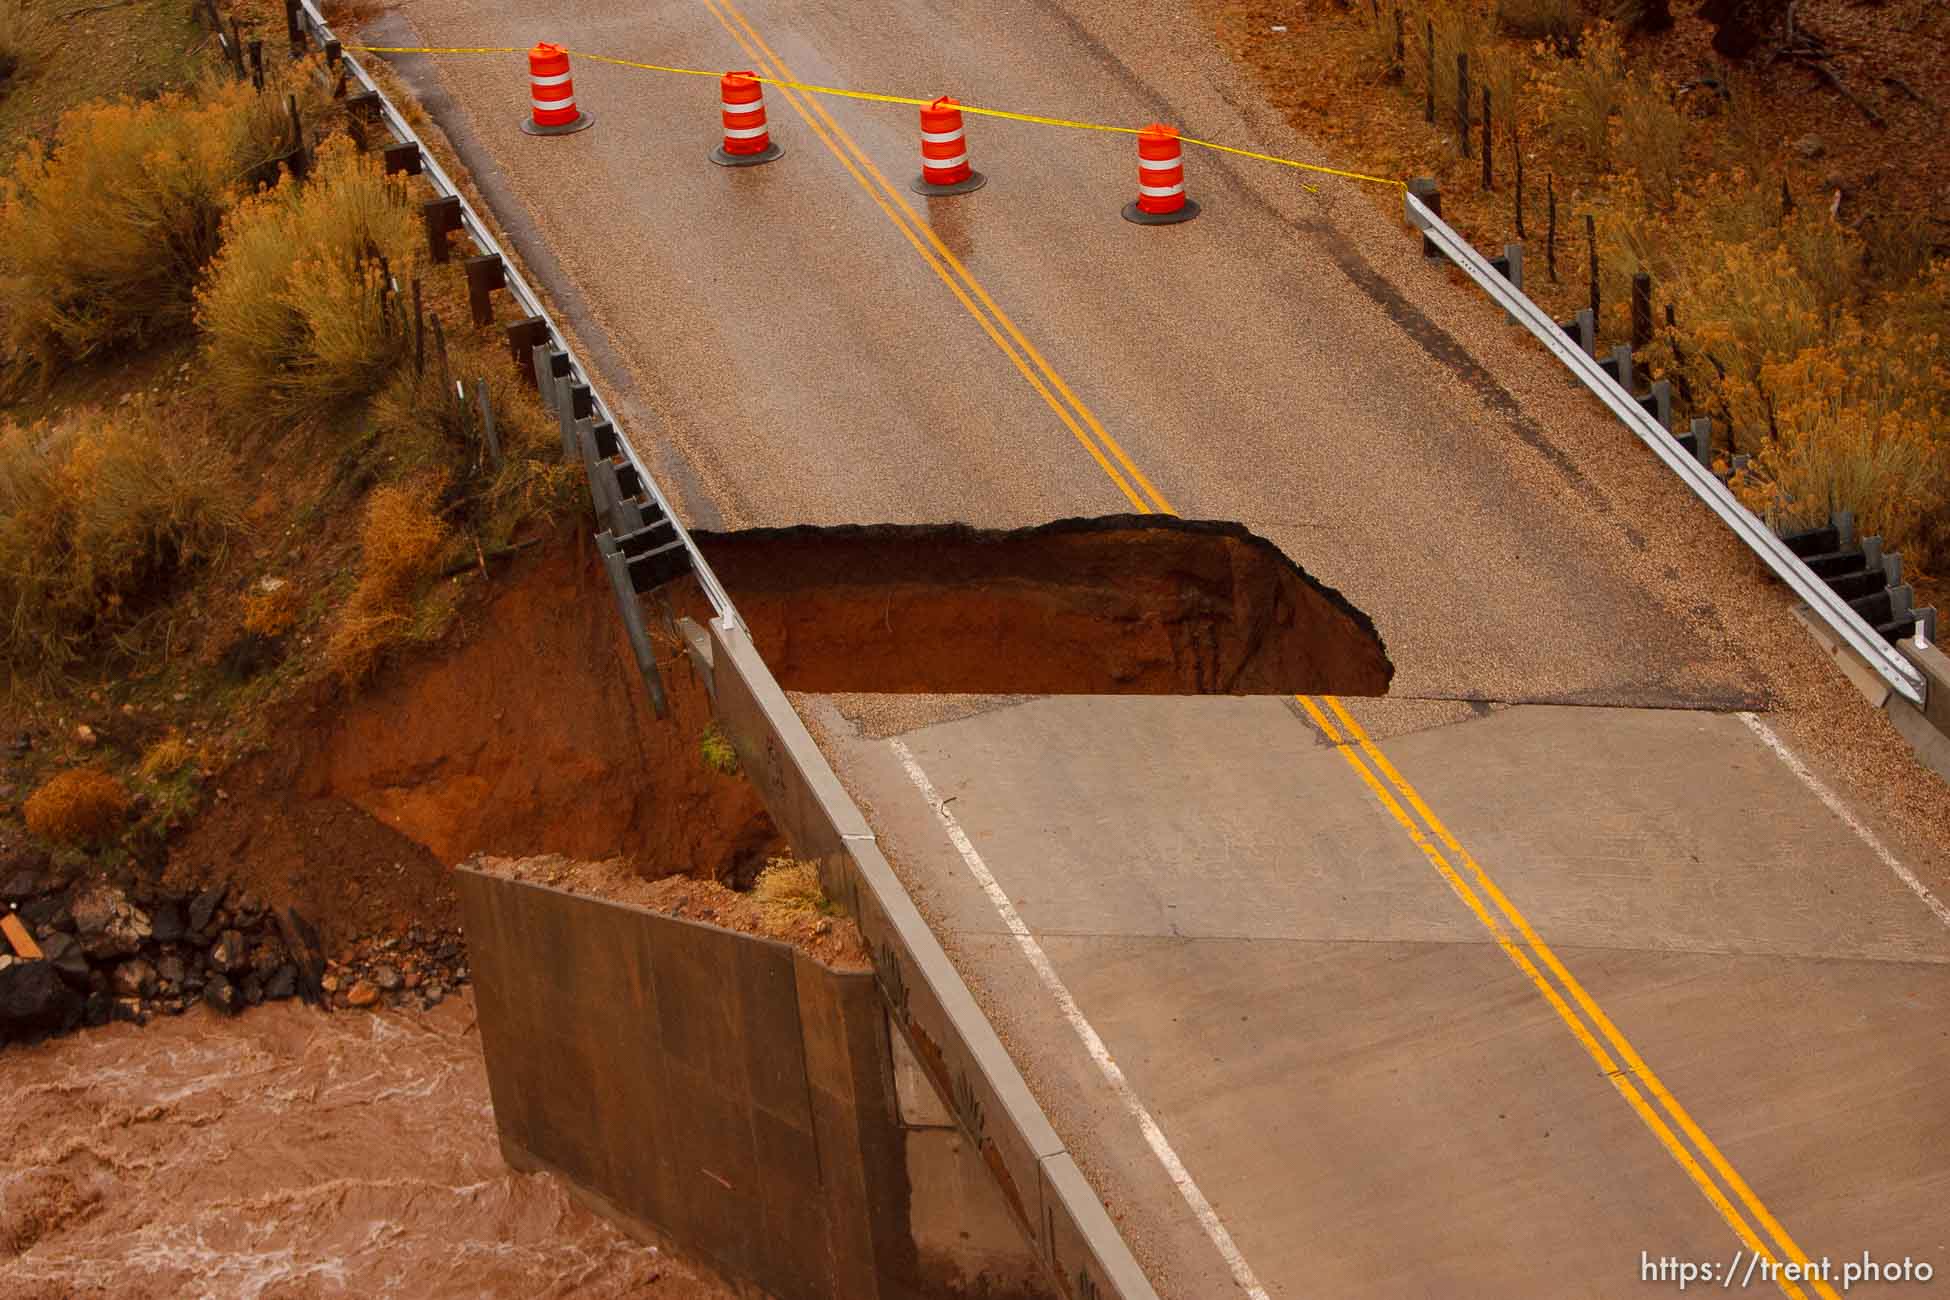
<point x="529" y="301"/>
<point x="1888" y="663"/>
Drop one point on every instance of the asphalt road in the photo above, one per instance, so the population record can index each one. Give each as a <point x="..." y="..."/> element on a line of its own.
<point x="1380" y="1086"/>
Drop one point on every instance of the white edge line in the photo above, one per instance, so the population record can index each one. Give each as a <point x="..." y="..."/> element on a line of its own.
<point x="1181" y="1178"/>
<point x="1835" y="805"/>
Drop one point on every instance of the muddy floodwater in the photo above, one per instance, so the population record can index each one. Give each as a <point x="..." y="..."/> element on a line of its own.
<point x="284" y="1155"/>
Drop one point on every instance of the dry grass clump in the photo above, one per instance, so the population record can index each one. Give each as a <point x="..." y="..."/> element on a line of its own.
<point x="165" y="758"/>
<point x="77" y="807"/>
<point x="1594" y="87"/>
<point x="787" y="891"/>
<point x="98" y="518"/>
<point x="300" y="312"/>
<point x="401" y="543"/>
<point x="104" y="235"/>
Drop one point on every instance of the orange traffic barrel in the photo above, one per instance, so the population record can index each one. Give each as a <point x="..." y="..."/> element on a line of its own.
<point x="747" y="140"/>
<point x="944" y="152"/>
<point x="551" y="93"/>
<point x="1161" y="197"/>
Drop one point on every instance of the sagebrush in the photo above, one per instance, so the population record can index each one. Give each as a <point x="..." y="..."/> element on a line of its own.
<point x="79" y="807"/>
<point x="105" y="233"/>
<point x="302" y="311"/>
<point x="99" y="516"/>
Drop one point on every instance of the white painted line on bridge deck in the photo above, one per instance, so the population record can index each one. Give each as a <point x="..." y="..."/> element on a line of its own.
<point x="1835" y="805"/>
<point x="1181" y="1178"/>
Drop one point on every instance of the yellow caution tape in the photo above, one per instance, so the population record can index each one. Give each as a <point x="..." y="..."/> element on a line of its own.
<point x="873" y="97"/>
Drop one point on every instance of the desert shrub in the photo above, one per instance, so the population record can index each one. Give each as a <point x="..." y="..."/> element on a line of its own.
<point x="1594" y="86"/>
<point x="77" y="807"/>
<point x="1857" y="424"/>
<point x="401" y="541"/>
<point x="103" y="235"/>
<point x="271" y="607"/>
<point x="98" y="517"/>
<point x="1652" y="137"/>
<point x="300" y="313"/>
<point x="717" y="751"/>
<point x="1826" y="255"/>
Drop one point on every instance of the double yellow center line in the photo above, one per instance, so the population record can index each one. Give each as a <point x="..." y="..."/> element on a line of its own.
<point x="1614" y="1055"/>
<point x="892" y="201"/>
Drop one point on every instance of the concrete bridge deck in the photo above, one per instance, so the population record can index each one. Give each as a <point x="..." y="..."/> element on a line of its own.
<point x="1570" y="963"/>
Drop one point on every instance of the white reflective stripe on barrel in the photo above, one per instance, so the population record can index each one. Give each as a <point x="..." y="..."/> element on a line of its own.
<point x="1162" y="164"/>
<point x="546" y="104"/>
<point x="743" y="132"/>
<point x="749" y="106"/>
<point x="1161" y="191"/>
<point x="943" y="137"/>
<point x="943" y="164"/>
<point x="556" y="80"/>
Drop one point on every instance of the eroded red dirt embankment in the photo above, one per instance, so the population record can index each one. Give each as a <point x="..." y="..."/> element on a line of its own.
<point x="1124" y="604"/>
<point x="532" y="736"/>
<point x="530" y="733"/>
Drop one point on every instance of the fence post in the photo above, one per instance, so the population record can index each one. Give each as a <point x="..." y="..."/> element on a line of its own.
<point x="1516" y="154"/>
<point x="488" y="433"/>
<point x="440" y="354"/>
<point x="419" y="331"/>
<point x="1428" y="106"/>
<point x="1462" y="100"/>
<point x="1400" y="68"/>
<point x="257" y="63"/>
<point x="1550" y="225"/>
<point x="1591" y="243"/>
<point x="1489" y="146"/>
<point x="1641" y="310"/>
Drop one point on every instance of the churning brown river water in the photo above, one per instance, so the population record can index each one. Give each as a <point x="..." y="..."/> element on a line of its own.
<point x="286" y="1155"/>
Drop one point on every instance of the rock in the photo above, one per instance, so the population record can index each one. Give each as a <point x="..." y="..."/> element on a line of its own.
<point x="413" y="979"/>
<point x="253" y="988"/>
<point x="48" y="913"/>
<point x="64" y="954"/>
<point x="128" y="1009"/>
<point x="223" y="996"/>
<point x="229" y="955"/>
<point x="176" y="1006"/>
<point x="330" y="983"/>
<point x="171" y="970"/>
<point x="282" y="984"/>
<point x="205" y="906"/>
<point x="387" y="978"/>
<point x="431" y="994"/>
<point x="247" y="911"/>
<point x="108" y="924"/>
<point x="134" y="979"/>
<point x="84" y="736"/>
<point x="362" y="994"/>
<point x="1810" y="146"/>
<point x="35" y="1000"/>
<point x="166" y="921"/>
<point x="21" y="886"/>
<point x="99" y="1006"/>
<point x="267" y="956"/>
